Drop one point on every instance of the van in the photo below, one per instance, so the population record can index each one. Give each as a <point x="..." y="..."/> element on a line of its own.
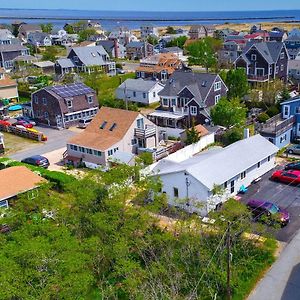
<point x="84" y="123"/>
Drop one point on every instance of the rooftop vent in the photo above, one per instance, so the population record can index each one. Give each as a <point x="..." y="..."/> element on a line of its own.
<point x="204" y="83"/>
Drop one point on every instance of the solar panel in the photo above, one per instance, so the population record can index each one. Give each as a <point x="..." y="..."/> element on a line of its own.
<point x="71" y="90"/>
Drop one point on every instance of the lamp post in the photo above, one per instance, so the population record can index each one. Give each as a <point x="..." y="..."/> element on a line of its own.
<point x="187" y="183"/>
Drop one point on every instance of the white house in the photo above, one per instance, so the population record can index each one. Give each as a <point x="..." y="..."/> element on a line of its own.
<point x="148" y="30"/>
<point x="139" y="90"/>
<point x="113" y="134"/>
<point x="191" y="183"/>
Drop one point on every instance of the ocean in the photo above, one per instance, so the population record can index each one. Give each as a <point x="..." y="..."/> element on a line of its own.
<point x="133" y="20"/>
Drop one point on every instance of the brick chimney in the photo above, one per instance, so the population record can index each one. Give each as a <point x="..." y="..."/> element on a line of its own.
<point x="116" y="49"/>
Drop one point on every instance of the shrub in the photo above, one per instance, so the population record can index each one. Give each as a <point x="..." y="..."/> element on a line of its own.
<point x="59" y="179"/>
<point x="273" y="111"/>
<point x="263" y="117"/>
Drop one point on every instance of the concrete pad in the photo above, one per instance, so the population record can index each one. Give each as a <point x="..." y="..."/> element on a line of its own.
<point x="55" y="159"/>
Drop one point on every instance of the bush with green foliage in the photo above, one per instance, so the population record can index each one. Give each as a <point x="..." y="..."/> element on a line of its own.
<point x="178" y="42"/>
<point x="263" y="117"/>
<point x="273" y="111"/>
<point x="233" y="135"/>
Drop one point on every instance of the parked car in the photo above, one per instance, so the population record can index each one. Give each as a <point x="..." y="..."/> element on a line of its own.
<point x="23" y="123"/>
<point x="293" y="166"/>
<point x="289" y="176"/>
<point x="26" y="119"/>
<point x="294" y="149"/>
<point x="120" y="71"/>
<point x="84" y="123"/>
<point x="5" y="123"/>
<point x="268" y="212"/>
<point x="37" y="160"/>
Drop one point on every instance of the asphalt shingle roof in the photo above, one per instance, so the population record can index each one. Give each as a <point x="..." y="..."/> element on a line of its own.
<point x="91" y="56"/>
<point x="199" y="84"/>
<point x="139" y="85"/>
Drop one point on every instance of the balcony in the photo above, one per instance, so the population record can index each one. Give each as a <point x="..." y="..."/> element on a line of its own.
<point x="259" y="78"/>
<point x="149" y="131"/>
<point x="276" y="126"/>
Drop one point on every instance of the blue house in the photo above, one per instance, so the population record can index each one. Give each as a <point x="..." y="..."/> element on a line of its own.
<point x="291" y="108"/>
<point x="281" y="129"/>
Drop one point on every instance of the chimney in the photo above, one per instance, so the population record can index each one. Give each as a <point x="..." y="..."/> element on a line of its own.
<point x="246" y="133"/>
<point x="116" y="48"/>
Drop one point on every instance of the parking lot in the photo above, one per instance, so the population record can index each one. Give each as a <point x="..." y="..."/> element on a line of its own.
<point x="284" y="195"/>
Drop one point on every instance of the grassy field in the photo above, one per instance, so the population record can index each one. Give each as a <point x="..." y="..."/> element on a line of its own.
<point x="15" y="143"/>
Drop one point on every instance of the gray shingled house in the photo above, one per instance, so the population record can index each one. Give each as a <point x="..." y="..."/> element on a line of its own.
<point x="8" y="54"/>
<point x="188" y="96"/>
<point x="63" y="106"/>
<point x="86" y="59"/>
<point x="264" y="61"/>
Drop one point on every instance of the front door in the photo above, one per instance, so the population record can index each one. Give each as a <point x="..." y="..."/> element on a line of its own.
<point x="59" y="121"/>
<point x="260" y="72"/>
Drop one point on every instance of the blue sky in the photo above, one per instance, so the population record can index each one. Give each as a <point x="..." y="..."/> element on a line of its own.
<point x="154" y="5"/>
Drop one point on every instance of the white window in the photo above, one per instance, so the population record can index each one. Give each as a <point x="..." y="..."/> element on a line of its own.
<point x="36" y="99"/>
<point x="44" y="101"/>
<point x="243" y="175"/>
<point x="253" y="57"/>
<point x="173" y="102"/>
<point x="286" y="111"/>
<point x="193" y="110"/>
<point x="69" y="103"/>
<point x="270" y="70"/>
<point x="277" y="69"/>
<point x="282" y="55"/>
<point x="90" y="99"/>
<point x="217" y="98"/>
<point x="165" y="102"/>
<point x="281" y="67"/>
<point x="217" y="86"/>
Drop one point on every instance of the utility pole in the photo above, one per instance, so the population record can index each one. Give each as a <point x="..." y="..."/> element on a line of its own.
<point x="228" y="246"/>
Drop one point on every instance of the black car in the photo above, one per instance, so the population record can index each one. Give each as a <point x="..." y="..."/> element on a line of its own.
<point x="293" y="166"/>
<point x="37" y="160"/>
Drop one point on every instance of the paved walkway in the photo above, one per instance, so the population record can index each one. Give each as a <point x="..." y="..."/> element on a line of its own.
<point x="282" y="282"/>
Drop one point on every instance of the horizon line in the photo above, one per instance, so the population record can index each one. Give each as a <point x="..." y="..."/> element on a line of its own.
<point x="161" y="11"/>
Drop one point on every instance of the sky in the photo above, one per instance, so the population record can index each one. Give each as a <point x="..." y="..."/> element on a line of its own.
<point x="154" y="5"/>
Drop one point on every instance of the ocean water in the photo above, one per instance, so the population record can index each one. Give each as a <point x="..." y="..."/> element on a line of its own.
<point x="111" y="19"/>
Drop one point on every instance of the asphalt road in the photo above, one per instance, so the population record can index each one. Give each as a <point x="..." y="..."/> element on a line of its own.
<point x="285" y="196"/>
<point x="57" y="139"/>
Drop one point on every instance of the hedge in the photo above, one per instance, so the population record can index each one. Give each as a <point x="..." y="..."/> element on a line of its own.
<point x="59" y="179"/>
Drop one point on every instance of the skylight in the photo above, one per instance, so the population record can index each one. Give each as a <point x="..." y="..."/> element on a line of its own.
<point x="103" y="125"/>
<point x="113" y="126"/>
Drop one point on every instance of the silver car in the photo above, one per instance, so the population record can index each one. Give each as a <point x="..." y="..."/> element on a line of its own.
<point x="294" y="149"/>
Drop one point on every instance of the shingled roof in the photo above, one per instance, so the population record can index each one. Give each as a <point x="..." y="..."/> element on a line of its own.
<point x="199" y="84"/>
<point x="101" y="137"/>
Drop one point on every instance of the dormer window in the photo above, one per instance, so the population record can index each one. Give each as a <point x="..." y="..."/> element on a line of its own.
<point x="253" y="57"/>
<point x="76" y="59"/>
<point x="69" y="103"/>
<point x="90" y="99"/>
<point x="282" y="55"/>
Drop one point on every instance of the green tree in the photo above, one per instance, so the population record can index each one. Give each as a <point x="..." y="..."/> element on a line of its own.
<point x="84" y="34"/>
<point x="203" y="52"/>
<point x="50" y="53"/>
<point x="192" y="135"/>
<point x="69" y="29"/>
<point x="47" y="28"/>
<point x="152" y="40"/>
<point x="263" y="117"/>
<point x="178" y="42"/>
<point x="237" y="83"/>
<point x="285" y="95"/>
<point x="229" y="113"/>
<point x="170" y="30"/>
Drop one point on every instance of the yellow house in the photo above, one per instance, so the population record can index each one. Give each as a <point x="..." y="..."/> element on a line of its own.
<point x="8" y="87"/>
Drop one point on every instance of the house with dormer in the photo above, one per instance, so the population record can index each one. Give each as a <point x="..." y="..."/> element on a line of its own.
<point x="186" y="99"/>
<point x="264" y="61"/>
<point x="62" y="106"/>
<point x="113" y="135"/>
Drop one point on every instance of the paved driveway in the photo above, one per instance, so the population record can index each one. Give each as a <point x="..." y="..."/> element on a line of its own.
<point x="286" y="196"/>
<point x="57" y="139"/>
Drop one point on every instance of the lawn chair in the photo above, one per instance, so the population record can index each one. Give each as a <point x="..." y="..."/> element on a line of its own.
<point x="243" y="190"/>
